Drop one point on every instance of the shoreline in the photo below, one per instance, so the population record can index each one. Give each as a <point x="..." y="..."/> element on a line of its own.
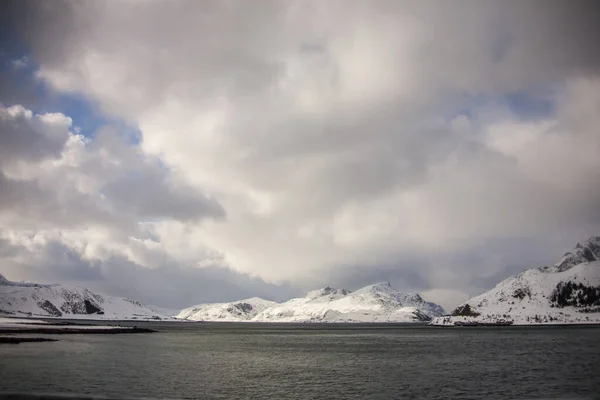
<point x="20" y="339"/>
<point x="15" y="328"/>
<point x="70" y="326"/>
<point x="76" y="331"/>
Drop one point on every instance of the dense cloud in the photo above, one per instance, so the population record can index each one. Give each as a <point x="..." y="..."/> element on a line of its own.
<point x="45" y="257"/>
<point x="51" y="172"/>
<point x="27" y="137"/>
<point x="441" y="146"/>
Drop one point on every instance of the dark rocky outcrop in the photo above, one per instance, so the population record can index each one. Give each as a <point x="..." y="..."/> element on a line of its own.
<point x="243" y="307"/>
<point x="521" y="293"/>
<point x="422" y="317"/>
<point x="49" y="308"/>
<point x="80" y="306"/>
<point x="90" y="308"/>
<point x="464" y="311"/>
<point x="571" y="294"/>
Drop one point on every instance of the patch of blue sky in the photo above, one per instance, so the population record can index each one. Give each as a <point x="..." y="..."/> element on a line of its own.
<point x="531" y="104"/>
<point x="20" y="69"/>
<point x="525" y="105"/>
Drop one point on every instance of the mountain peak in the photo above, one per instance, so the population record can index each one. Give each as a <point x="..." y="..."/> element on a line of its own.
<point x="379" y="302"/>
<point x="586" y="251"/>
<point x="3" y="279"/>
<point x="558" y="294"/>
<point x="327" y="291"/>
<point x="234" y="311"/>
<point x="384" y="286"/>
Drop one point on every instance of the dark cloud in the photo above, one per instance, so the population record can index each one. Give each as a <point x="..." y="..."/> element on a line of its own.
<point x="14" y="89"/>
<point x="36" y="25"/>
<point x="129" y="186"/>
<point x="408" y="275"/>
<point x="566" y="30"/>
<point x="171" y="285"/>
<point x="147" y="194"/>
<point x="27" y="205"/>
<point x="141" y="186"/>
<point x="24" y="136"/>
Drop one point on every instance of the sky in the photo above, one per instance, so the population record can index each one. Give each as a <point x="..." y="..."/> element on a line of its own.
<point x="179" y="152"/>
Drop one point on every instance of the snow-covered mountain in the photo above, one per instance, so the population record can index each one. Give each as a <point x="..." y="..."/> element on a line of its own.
<point x="588" y="251"/>
<point x="32" y="299"/>
<point x="236" y="311"/>
<point x="565" y="293"/>
<point x="374" y="303"/>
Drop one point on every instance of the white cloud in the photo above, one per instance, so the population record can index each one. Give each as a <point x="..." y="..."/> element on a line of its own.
<point x="90" y="195"/>
<point x="331" y="135"/>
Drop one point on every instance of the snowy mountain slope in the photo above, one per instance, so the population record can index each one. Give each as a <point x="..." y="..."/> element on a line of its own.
<point x="587" y="251"/>
<point x="373" y="303"/>
<point x="237" y="311"/>
<point x="31" y="299"/>
<point x="568" y="292"/>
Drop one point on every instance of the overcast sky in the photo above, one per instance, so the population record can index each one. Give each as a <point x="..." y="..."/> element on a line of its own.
<point x="186" y="151"/>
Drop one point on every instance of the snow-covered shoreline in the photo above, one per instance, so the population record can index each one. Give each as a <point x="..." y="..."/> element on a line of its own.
<point x="452" y="321"/>
<point x="25" y="323"/>
<point x="9" y="327"/>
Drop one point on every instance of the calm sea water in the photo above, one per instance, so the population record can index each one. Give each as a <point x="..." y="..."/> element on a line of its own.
<point x="239" y="361"/>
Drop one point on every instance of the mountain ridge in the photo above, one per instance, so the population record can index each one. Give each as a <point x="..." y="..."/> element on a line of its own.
<point x="233" y="311"/>
<point x="567" y="292"/>
<point x="586" y="251"/>
<point x="379" y="302"/>
<point x="24" y="299"/>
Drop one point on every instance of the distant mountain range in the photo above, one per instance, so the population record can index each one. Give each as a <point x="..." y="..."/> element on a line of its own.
<point x="36" y="300"/>
<point x="374" y="303"/>
<point x="565" y="293"/>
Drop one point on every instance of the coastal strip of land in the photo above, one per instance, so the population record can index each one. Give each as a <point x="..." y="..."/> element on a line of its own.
<point x="13" y="330"/>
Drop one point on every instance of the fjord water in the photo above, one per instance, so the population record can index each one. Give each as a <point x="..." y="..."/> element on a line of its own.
<point x="238" y="361"/>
